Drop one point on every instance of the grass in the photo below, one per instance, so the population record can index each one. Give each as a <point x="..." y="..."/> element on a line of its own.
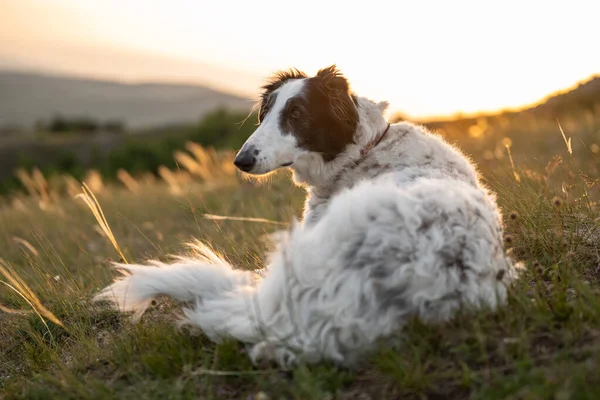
<point x="544" y="344"/>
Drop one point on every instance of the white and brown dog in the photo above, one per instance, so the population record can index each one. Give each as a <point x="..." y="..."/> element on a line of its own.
<point x="396" y="225"/>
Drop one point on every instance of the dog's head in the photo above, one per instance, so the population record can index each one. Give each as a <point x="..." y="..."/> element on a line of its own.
<point x="300" y="116"/>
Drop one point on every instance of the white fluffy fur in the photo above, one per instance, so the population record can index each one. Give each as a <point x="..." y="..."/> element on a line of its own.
<point x="408" y="231"/>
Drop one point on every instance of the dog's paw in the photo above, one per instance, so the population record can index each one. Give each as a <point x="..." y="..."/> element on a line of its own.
<point x="265" y="352"/>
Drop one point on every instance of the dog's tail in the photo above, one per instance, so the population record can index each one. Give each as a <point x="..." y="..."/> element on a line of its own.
<point x="202" y="275"/>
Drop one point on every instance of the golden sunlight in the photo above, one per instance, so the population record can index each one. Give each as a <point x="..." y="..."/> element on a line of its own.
<point x="428" y="58"/>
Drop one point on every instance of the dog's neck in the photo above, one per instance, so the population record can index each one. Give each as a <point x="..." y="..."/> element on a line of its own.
<point x="318" y="175"/>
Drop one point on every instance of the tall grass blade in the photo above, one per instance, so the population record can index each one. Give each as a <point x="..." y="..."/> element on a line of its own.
<point x="93" y="204"/>
<point x="512" y="164"/>
<point x="18" y="285"/>
<point x="245" y="219"/>
<point x="567" y="142"/>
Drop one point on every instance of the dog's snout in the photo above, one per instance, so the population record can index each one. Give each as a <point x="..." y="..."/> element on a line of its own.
<point x="245" y="160"/>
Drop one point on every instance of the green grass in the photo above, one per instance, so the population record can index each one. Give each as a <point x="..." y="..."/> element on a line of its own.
<point x="544" y="344"/>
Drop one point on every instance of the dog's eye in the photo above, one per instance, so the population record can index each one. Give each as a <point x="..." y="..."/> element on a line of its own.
<point x="295" y="113"/>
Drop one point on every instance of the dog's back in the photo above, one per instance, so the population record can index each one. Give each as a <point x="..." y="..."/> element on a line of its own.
<point x="406" y="155"/>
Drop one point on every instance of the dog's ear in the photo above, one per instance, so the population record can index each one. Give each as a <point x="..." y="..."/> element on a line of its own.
<point x="333" y="81"/>
<point x="383" y="106"/>
<point x="337" y="90"/>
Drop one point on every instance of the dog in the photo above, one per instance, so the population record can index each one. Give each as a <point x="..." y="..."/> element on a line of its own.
<point x="396" y="225"/>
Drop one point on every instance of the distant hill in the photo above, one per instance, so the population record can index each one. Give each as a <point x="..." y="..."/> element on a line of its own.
<point x="585" y="96"/>
<point x="570" y="116"/>
<point x="28" y="97"/>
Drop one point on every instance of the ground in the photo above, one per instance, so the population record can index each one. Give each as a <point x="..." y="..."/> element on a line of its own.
<point x="544" y="344"/>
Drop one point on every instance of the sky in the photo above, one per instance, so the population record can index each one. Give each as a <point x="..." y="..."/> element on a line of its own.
<point x="427" y="58"/>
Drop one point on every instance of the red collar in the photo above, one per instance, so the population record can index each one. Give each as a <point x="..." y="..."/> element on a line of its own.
<point x="370" y="146"/>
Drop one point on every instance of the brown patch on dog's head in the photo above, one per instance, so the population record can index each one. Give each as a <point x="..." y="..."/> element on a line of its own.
<point x="322" y="115"/>
<point x="325" y="117"/>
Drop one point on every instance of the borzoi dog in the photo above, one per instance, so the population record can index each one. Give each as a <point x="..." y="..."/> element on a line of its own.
<point x="396" y="225"/>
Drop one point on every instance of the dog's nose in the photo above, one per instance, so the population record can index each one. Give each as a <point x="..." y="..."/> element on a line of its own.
<point x="245" y="160"/>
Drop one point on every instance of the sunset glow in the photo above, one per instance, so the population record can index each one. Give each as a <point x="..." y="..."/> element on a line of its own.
<point x="425" y="57"/>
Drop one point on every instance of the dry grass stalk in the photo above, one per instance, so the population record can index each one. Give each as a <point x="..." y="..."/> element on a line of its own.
<point x="18" y="285"/>
<point x="93" y="204"/>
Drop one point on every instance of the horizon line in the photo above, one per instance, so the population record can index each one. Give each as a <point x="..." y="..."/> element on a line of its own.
<point x="110" y="78"/>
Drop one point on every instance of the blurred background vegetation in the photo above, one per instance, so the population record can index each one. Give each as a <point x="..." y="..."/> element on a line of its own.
<point x="75" y="145"/>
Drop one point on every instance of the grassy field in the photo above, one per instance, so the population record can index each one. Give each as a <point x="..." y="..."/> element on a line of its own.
<point x="544" y="344"/>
